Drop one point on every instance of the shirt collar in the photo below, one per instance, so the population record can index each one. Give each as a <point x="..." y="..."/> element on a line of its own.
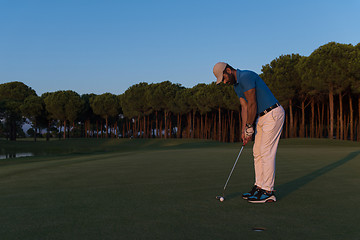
<point x="238" y="72"/>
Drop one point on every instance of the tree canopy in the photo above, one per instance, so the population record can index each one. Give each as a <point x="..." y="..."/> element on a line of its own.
<point x="320" y="93"/>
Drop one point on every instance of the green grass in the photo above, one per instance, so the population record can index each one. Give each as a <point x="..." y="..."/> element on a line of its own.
<point x="157" y="189"/>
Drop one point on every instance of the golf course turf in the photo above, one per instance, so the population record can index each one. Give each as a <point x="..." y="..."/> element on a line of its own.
<point x="165" y="189"/>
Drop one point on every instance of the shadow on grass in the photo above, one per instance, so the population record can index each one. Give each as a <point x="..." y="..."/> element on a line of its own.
<point x="285" y="189"/>
<point x="233" y="195"/>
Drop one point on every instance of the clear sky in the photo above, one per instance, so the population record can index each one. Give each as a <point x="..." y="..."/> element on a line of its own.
<point x="98" y="46"/>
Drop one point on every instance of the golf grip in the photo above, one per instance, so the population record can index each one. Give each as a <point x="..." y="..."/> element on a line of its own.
<point x="233" y="167"/>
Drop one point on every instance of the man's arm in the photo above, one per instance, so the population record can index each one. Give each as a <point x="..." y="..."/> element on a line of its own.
<point x="251" y="105"/>
<point x="243" y="105"/>
<point x="250" y="115"/>
<point x="244" y="112"/>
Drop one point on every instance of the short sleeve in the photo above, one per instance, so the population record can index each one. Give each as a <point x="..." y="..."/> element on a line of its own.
<point x="248" y="82"/>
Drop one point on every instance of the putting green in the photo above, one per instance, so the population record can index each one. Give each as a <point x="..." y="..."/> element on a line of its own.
<point x="157" y="189"/>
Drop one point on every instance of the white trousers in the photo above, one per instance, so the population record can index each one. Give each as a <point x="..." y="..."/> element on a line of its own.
<point x="267" y="136"/>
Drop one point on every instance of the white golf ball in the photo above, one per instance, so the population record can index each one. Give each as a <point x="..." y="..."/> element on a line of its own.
<point x="222" y="199"/>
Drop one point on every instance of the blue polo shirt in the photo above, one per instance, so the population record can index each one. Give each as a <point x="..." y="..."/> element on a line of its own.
<point x="247" y="80"/>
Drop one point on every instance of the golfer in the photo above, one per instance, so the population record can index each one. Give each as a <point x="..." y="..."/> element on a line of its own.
<point x="259" y="106"/>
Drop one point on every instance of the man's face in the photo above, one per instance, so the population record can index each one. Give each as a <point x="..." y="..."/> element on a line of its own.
<point x="228" y="77"/>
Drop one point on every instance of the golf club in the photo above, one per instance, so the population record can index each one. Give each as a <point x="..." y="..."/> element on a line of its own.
<point x="222" y="198"/>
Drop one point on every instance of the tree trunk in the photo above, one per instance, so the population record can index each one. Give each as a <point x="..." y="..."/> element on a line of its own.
<point x="88" y="128"/>
<point x="351" y="120"/>
<point x="101" y="129"/>
<point x="318" y="122"/>
<point x="295" y="124"/>
<point x="107" y="126"/>
<point x="223" y="122"/>
<point x="291" y="130"/>
<point x="64" y="129"/>
<point x="156" y="124"/>
<point x="126" y="129"/>
<point x="328" y="122"/>
<point x="225" y="130"/>
<point x="141" y="130"/>
<point x="346" y="126"/>
<point x="166" y="126"/>
<point x="178" y="132"/>
<point x="302" y="126"/>
<point x="358" y="135"/>
<point x="337" y="125"/>
<point x="116" y="130"/>
<point x="150" y="127"/>
<point x="170" y="125"/>
<point x="331" y="111"/>
<point x="73" y="130"/>
<point x="144" y="125"/>
<point x="160" y="128"/>
<point x="322" y="120"/>
<point x="312" y="122"/>
<point x="189" y="126"/>
<point x="129" y="129"/>
<point x="193" y="125"/>
<point x="240" y="126"/>
<point x="286" y="126"/>
<point x="206" y="127"/>
<point x="85" y="129"/>
<point x="149" y="124"/>
<point x="48" y="131"/>
<point x="213" y="123"/>
<point x="219" y="127"/>
<point x="232" y="129"/>
<point x="59" y="135"/>
<point x="135" y="127"/>
<point x="139" y="127"/>
<point x="197" y="128"/>
<point x="341" y="117"/>
<point x="358" y="130"/>
<point x="35" y="131"/>
<point x="201" y="127"/>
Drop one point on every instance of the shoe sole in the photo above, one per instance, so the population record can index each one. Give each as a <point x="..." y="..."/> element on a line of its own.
<point x="267" y="200"/>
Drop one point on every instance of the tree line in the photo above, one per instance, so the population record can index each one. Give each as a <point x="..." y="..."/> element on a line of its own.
<point x="320" y="94"/>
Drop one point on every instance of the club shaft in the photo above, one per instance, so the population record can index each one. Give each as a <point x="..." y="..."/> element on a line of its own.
<point x="233" y="167"/>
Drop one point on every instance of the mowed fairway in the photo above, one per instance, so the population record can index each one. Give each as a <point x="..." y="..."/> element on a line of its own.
<point x="157" y="189"/>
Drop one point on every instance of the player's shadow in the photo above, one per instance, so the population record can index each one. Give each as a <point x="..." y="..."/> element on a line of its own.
<point x="233" y="195"/>
<point x="285" y="189"/>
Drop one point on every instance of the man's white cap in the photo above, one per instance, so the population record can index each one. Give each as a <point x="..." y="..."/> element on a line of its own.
<point x="218" y="71"/>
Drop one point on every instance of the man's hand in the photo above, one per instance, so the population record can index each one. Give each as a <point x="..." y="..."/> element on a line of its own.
<point x="247" y="133"/>
<point x="245" y="139"/>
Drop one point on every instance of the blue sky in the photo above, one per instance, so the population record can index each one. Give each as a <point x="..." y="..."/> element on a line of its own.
<point x="106" y="46"/>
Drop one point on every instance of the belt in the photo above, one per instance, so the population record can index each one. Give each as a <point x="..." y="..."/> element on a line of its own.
<point x="269" y="109"/>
